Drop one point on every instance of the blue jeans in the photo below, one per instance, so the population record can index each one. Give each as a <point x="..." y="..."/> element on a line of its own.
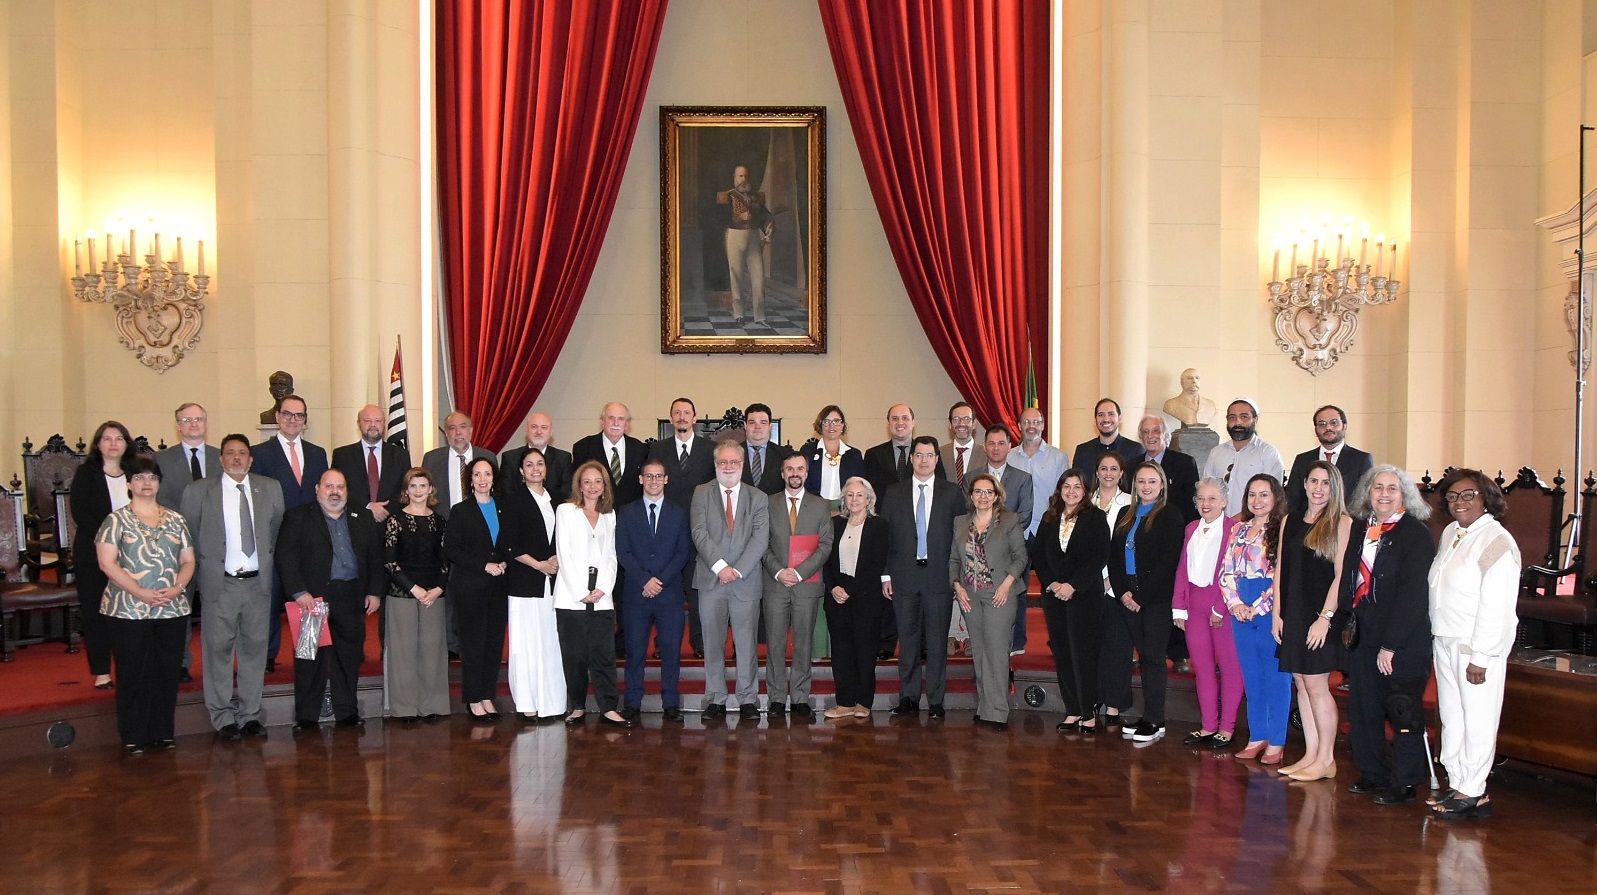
<point x="1268" y="688"/>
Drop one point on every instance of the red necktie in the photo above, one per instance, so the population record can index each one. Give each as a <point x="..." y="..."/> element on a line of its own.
<point x="729" y="520"/>
<point x="293" y="460"/>
<point x="1366" y="574"/>
<point x="371" y="472"/>
<point x="959" y="466"/>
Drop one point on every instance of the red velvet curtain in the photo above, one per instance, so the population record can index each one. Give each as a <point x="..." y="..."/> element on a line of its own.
<point x="538" y="102"/>
<point x="948" y="100"/>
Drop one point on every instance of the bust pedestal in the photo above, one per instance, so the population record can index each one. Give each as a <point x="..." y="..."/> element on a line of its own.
<point x="1195" y="441"/>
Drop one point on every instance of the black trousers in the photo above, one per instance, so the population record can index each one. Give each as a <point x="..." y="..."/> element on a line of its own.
<point x="149" y="654"/>
<point x="339" y="663"/>
<point x="1074" y="633"/>
<point x="481" y="616"/>
<point x="1374" y="699"/>
<point x="1149" y="629"/>
<point x="856" y="628"/>
<point x="587" y="647"/>
<point x="96" y="638"/>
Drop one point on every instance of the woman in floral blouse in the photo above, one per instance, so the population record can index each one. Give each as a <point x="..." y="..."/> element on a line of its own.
<point x="1247" y="585"/>
<point x="147" y="556"/>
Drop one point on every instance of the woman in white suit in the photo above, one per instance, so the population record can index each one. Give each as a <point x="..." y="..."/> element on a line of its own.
<point x="585" y="547"/>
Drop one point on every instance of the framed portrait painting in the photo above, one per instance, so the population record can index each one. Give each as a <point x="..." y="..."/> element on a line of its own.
<point x="742" y="230"/>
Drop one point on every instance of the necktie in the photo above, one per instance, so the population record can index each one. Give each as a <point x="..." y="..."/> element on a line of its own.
<point x="1330" y="457"/>
<point x="959" y="466"/>
<point x="371" y="472"/>
<point x="459" y="487"/>
<point x="684" y="458"/>
<point x="920" y="525"/>
<point x="194" y="464"/>
<point x="729" y="520"/>
<point x="1367" y="574"/>
<point x="653" y="519"/>
<point x="756" y="463"/>
<point x="246" y="523"/>
<point x="293" y="461"/>
<point x="615" y="465"/>
<point x="903" y="463"/>
<point x="792" y="514"/>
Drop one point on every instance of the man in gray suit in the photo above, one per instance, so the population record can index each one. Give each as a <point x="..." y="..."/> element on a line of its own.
<point x="919" y="513"/>
<point x="731" y="526"/>
<point x="190" y="460"/>
<point x="446" y="463"/>
<point x="1018" y="499"/>
<point x="962" y="453"/>
<point x="233" y="520"/>
<point x="793" y="586"/>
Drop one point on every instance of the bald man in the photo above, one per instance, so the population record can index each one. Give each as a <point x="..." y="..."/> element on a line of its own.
<point x="447" y="464"/>
<point x="540" y="434"/>
<point x="372" y="466"/>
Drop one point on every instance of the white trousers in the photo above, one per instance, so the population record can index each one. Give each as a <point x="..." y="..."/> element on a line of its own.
<point x="537" y="677"/>
<point x="1469" y="714"/>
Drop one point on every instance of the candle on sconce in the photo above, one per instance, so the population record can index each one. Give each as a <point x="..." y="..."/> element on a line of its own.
<point x="1338" y="258"/>
<point x="91" y="254"/>
<point x="1380" y="253"/>
<point x="1364" y="246"/>
<point x="1394" y="259"/>
<point x="1275" y="266"/>
<point x="110" y="251"/>
<point x="77" y="258"/>
<point x="133" y="246"/>
<point x="1293" y="270"/>
<point x="1314" y="256"/>
<point x="180" y="253"/>
<point x="202" y="257"/>
<point x="157" y="248"/>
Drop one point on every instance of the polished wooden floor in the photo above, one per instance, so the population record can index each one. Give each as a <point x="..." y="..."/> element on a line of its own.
<point x="882" y="806"/>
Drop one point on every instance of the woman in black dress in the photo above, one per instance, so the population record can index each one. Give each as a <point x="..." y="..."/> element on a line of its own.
<point x="474" y="543"/>
<point x="1306" y="596"/>
<point x="854" y="604"/>
<point x="1071" y="549"/>
<point x="415" y="652"/>
<point x="98" y="487"/>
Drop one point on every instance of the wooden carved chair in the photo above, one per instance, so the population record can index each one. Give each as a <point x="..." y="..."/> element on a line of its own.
<point x="53" y="606"/>
<point x="1541" y="606"/>
<point x="47" y="476"/>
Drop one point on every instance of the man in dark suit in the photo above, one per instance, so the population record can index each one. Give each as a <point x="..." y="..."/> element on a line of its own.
<point x="190" y="460"/>
<point x="446" y="464"/>
<point x="1106" y="416"/>
<point x="380" y="492"/>
<point x="296" y="465"/>
<point x="731" y="526"/>
<point x="689" y="462"/>
<point x="1179" y="469"/>
<point x="762" y="460"/>
<point x="557" y="462"/>
<point x="887" y="463"/>
<point x="793" y="588"/>
<point x="653" y="548"/>
<point x="615" y="450"/>
<point x="920" y="516"/>
<point x="1330" y="428"/>
<point x="234" y="518"/>
<point x="329" y="550"/>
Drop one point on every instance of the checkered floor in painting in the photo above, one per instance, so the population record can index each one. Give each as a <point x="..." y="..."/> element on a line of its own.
<point x="711" y="315"/>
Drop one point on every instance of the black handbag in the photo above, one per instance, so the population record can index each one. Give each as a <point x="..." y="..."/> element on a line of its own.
<point x="1350" y="631"/>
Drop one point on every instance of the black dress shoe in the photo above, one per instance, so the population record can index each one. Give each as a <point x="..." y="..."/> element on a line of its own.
<point x="484" y="718"/>
<point x="623" y="723"/>
<point x="803" y="710"/>
<point x="271" y="665"/>
<point x="905" y="707"/>
<point x="133" y="748"/>
<point x="1068" y="726"/>
<point x="576" y="720"/>
<point x="713" y="711"/>
<point x="184" y="677"/>
<point x="698" y="652"/>
<point x="1397" y="795"/>
<point x="749" y="711"/>
<point x="632" y="714"/>
<point x="1198" y="739"/>
<point x="302" y="726"/>
<point x="673" y="714"/>
<point x="1364" y="786"/>
<point x="935" y="710"/>
<point x="105" y="686"/>
<point x="230" y="732"/>
<point x="253" y="729"/>
<point x="168" y="745"/>
<point x="351" y="721"/>
<point x="433" y="718"/>
<point x="885" y="655"/>
<point x="777" y="708"/>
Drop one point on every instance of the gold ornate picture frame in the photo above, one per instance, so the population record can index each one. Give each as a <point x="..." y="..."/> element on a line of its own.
<point x="742" y="230"/>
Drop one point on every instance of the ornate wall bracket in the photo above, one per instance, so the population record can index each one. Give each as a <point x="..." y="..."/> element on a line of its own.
<point x="1317" y="310"/>
<point x="159" y="307"/>
<point x="1565" y="228"/>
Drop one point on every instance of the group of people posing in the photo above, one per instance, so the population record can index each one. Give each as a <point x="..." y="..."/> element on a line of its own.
<point x="577" y="556"/>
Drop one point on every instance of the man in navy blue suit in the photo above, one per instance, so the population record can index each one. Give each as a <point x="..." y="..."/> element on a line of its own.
<point x="652" y="546"/>
<point x="297" y="465"/>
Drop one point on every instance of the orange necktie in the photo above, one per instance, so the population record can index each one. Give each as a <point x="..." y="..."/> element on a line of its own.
<point x="293" y="460"/>
<point x="729" y="520"/>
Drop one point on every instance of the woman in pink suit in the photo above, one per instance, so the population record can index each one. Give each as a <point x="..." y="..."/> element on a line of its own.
<point x="1200" y="610"/>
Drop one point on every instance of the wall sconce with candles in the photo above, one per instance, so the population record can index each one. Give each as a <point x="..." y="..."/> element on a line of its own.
<point x="159" y="307"/>
<point x="1317" y="306"/>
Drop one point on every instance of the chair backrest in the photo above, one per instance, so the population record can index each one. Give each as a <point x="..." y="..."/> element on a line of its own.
<point x="12" y="537"/>
<point x="1535" y="516"/>
<point x="48" y="470"/>
<point x="1433" y="498"/>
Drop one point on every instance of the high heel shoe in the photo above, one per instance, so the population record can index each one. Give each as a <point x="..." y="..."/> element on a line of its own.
<point x="1273" y="757"/>
<point x="1314" y="772"/>
<point x="484" y="718"/>
<point x="1252" y="750"/>
<point x="1068" y="725"/>
<point x="1463" y="807"/>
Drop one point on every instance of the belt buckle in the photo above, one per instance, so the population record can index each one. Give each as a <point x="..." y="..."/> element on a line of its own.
<point x="920" y="562"/>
